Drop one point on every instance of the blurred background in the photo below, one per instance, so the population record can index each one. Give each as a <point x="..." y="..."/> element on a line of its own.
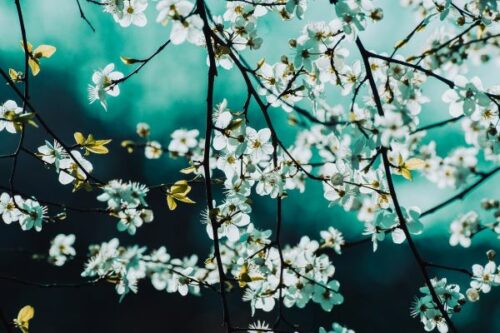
<point x="169" y="94"/>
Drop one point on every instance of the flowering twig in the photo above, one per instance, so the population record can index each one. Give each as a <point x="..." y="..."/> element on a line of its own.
<point x="387" y="168"/>
<point x="212" y="72"/>
<point x="143" y="62"/>
<point x="46" y="127"/>
<point x="462" y="193"/>
<point x="493" y="97"/>
<point x="444" y="44"/>
<point x="437" y="124"/>
<point x="25" y="96"/>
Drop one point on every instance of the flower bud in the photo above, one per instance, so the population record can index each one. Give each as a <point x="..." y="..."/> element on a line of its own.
<point x="472" y="294"/>
<point x="377" y="14"/>
<point x="143" y="130"/>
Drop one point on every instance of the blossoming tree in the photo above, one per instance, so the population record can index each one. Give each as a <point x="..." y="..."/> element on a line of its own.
<point x="354" y="152"/>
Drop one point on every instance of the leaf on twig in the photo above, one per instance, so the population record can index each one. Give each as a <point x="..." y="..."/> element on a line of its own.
<point x="42" y="51"/>
<point x="411" y="164"/>
<point x="92" y="145"/>
<point x="23" y="318"/>
<point x="178" y="192"/>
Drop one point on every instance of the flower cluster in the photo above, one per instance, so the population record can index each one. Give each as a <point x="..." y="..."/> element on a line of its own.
<point x="463" y="228"/>
<point x="388" y="222"/>
<point x="184" y="142"/>
<point x="493" y="207"/>
<point x="71" y="166"/>
<point x="258" y="327"/>
<point x="336" y="328"/>
<point x="354" y="14"/>
<point x="29" y="213"/>
<point x="127" y="202"/>
<point x="332" y="238"/>
<point x="482" y="130"/>
<point x="427" y="310"/>
<point x="103" y="84"/>
<point x="126" y="266"/>
<point x="475" y="8"/>
<point x="12" y="117"/>
<point x="484" y="277"/>
<point x="304" y="274"/>
<point x="61" y="249"/>
<point x="450" y="59"/>
<point x="186" y="25"/>
<point x="127" y="12"/>
<point x="466" y="226"/>
<point x="355" y="154"/>
<point x="449" y="171"/>
<point x="467" y="97"/>
<point x="152" y="148"/>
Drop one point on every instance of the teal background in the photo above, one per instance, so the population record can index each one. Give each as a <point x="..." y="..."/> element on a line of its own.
<point x="169" y="93"/>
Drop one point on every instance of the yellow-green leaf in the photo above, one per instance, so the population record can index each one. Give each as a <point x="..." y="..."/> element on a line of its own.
<point x="101" y="150"/>
<point x="235" y="124"/>
<point x="180" y="187"/>
<point x="171" y="202"/>
<point x="32" y="123"/>
<point x="188" y="170"/>
<point x="400" y="160"/>
<point x="414" y="164"/>
<point x="102" y="142"/>
<point x="129" y="61"/>
<point x="406" y="173"/>
<point x="90" y="140"/>
<point x="14" y="75"/>
<point x="34" y="66"/>
<point x="23" y="318"/>
<point x="179" y="192"/>
<point x="185" y="200"/>
<point x="45" y="51"/>
<point x="29" y="46"/>
<point x="91" y="145"/>
<point x="79" y="138"/>
<point x="42" y="51"/>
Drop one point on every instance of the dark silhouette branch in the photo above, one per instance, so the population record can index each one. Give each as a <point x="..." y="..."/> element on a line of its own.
<point x="462" y="193"/>
<point x="387" y="168"/>
<point x="143" y="62"/>
<point x="49" y="285"/>
<point x="449" y="268"/>
<point x="437" y="124"/>
<point x="212" y="73"/>
<point x="82" y="15"/>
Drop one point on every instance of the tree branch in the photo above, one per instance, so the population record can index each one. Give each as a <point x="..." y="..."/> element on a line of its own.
<point x="212" y="73"/>
<point x="82" y="15"/>
<point x="387" y="168"/>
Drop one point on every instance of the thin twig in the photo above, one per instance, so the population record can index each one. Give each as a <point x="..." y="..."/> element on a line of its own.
<point x="449" y="268"/>
<point x="49" y="285"/>
<point x="82" y="15"/>
<point x="437" y="124"/>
